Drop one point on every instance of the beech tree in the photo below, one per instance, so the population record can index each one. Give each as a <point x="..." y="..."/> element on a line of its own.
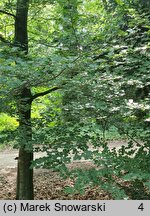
<point x="24" y="99"/>
<point x="22" y="91"/>
<point x="95" y="54"/>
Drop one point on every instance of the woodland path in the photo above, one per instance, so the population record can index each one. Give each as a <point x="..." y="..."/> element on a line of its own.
<point x="7" y="157"/>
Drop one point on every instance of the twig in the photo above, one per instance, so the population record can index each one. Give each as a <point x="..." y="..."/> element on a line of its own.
<point x="139" y="144"/>
<point x="7" y="13"/>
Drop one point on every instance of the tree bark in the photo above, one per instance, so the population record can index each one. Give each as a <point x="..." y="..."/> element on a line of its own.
<point x="25" y="173"/>
<point x="24" y="176"/>
<point x="21" y="32"/>
<point x="24" y="101"/>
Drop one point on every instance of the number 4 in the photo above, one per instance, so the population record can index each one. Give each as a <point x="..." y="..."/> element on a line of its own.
<point x="141" y="207"/>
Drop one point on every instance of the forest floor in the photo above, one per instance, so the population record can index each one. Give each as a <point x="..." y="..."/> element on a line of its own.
<point x="48" y="184"/>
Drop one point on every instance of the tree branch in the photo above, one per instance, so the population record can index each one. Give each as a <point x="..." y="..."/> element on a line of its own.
<point x="130" y="137"/>
<point x="57" y="75"/>
<point x="45" y="92"/>
<point x="7" y="13"/>
<point x="4" y="40"/>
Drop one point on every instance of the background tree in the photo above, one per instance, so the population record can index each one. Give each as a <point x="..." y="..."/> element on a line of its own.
<point x="113" y="90"/>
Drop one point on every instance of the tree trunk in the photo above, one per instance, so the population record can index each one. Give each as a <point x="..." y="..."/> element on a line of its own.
<point x="21" y="32"/>
<point x="24" y="176"/>
<point x="24" y="172"/>
<point x="24" y="101"/>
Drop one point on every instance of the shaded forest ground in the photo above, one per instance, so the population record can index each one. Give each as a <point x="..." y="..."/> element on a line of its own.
<point x="48" y="184"/>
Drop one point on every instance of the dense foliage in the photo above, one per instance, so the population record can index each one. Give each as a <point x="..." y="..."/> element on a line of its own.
<point x="96" y="55"/>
